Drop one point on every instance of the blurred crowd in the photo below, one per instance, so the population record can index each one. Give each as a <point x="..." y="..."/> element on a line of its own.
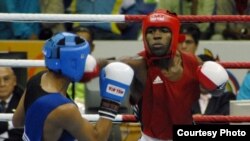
<point x="122" y="31"/>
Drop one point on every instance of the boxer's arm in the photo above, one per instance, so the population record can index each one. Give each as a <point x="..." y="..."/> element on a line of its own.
<point x="72" y="121"/>
<point x="93" y="67"/>
<point x="19" y="114"/>
<point x="139" y="81"/>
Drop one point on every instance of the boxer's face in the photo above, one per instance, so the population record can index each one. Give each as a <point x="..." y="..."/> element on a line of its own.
<point x="159" y="40"/>
<point x="7" y="82"/>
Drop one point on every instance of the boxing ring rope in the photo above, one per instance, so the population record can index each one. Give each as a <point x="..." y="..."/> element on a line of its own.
<point x="236" y="65"/>
<point x="132" y="118"/>
<point x="21" y="63"/>
<point x="64" y="18"/>
<point x="89" y="117"/>
<point x="41" y="63"/>
<point x="221" y="119"/>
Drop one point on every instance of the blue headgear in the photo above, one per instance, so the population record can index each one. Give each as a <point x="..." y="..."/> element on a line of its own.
<point x="66" y="53"/>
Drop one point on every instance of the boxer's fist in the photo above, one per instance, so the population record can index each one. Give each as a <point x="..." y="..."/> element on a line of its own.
<point x="115" y="80"/>
<point x="212" y="77"/>
<point x="91" y="69"/>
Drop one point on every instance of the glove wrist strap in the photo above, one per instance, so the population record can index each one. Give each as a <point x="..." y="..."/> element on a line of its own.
<point x="108" y="109"/>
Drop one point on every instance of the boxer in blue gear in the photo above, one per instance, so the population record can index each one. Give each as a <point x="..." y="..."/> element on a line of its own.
<point x="45" y="111"/>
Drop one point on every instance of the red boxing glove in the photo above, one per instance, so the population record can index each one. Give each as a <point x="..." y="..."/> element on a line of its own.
<point x="212" y="76"/>
<point x="91" y="69"/>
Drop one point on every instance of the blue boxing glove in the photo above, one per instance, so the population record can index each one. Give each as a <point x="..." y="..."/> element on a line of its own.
<point x="115" y="81"/>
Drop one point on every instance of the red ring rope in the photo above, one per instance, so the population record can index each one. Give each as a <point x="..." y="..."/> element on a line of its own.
<point x="236" y="65"/>
<point x="198" y="18"/>
<point x="221" y="118"/>
<point x="201" y="118"/>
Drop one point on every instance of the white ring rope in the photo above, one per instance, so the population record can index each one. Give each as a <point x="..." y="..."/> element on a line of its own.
<point x="89" y="117"/>
<point x="60" y="18"/>
<point x="21" y="63"/>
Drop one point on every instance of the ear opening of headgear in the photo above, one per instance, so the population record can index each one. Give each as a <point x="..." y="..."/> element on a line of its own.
<point x="66" y="53"/>
<point x="162" y="18"/>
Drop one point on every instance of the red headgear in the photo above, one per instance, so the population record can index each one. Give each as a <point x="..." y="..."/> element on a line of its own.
<point x="162" y="18"/>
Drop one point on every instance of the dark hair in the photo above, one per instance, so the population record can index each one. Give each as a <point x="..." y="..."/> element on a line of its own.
<point x="191" y="29"/>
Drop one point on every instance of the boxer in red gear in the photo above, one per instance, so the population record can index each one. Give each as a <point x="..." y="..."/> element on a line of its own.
<point x="166" y="84"/>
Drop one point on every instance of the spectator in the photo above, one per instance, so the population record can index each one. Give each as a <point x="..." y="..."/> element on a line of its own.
<point x="232" y="30"/>
<point x="244" y="92"/>
<point x="5" y="27"/>
<point x="20" y="30"/>
<point x="192" y="38"/>
<point x="192" y="7"/>
<point x="51" y="7"/>
<point x="111" y="30"/>
<point x="10" y="94"/>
